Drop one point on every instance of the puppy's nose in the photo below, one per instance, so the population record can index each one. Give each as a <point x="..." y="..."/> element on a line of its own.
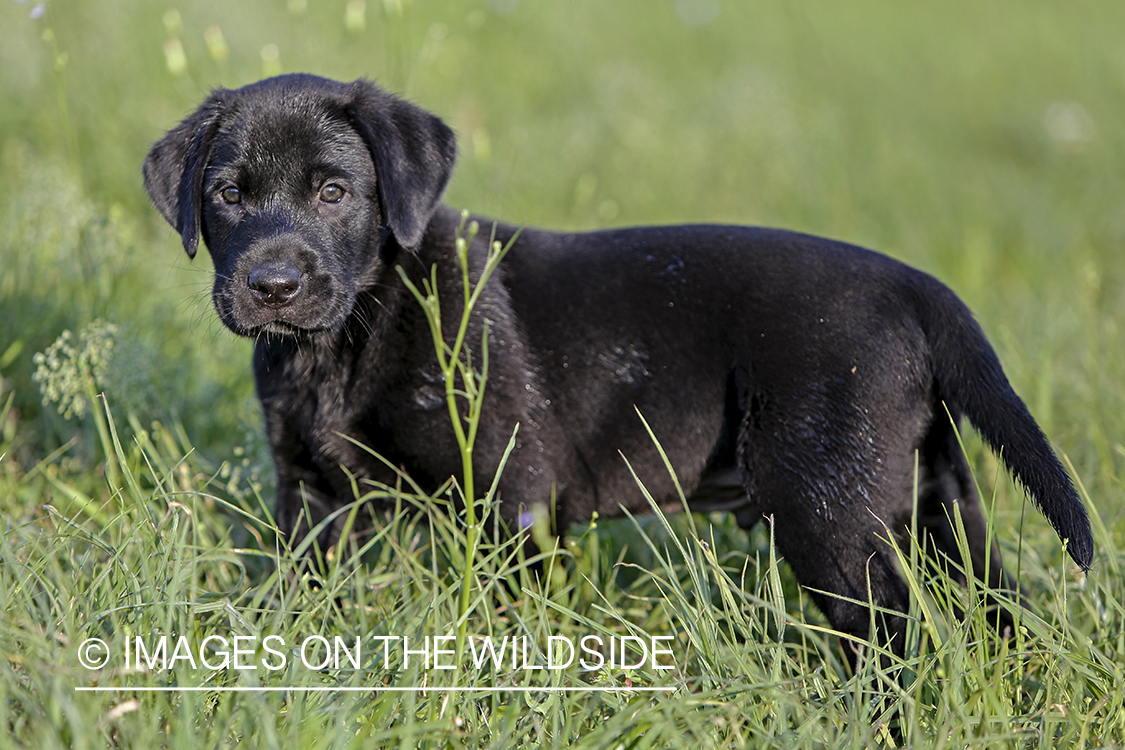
<point x="275" y="284"/>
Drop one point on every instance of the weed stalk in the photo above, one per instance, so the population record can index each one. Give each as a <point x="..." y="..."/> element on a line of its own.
<point x="456" y="365"/>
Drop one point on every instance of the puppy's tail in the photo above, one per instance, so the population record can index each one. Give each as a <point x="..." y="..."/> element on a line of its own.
<point x="972" y="383"/>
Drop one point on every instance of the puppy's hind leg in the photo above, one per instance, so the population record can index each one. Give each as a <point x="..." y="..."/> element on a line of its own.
<point x="946" y="491"/>
<point x="832" y="533"/>
<point x="850" y="572"/>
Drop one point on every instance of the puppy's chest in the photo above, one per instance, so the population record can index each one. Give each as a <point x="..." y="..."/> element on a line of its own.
<point x="354" y="420"/>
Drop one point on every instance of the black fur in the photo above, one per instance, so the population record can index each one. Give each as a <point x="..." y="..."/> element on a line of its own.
<point x="785" y="375"/>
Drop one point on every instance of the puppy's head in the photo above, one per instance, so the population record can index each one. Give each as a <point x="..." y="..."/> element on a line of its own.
<point x="296" y="183"/>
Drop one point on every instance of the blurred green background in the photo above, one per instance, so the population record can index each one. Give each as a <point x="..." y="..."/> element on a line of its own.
<point x="978" y="141"/>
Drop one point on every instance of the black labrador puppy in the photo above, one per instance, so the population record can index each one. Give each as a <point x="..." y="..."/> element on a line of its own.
<point x="785" y="375"/>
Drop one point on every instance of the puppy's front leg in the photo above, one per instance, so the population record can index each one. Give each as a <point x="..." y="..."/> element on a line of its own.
<point x="301" y="508"/>
<point x="304" y="499"/>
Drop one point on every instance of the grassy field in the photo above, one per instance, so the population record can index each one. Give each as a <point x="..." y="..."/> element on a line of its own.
<point x="975" y="141"/>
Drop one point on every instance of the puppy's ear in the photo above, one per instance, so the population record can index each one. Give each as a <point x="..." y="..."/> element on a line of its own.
<point x="174" y="169"/>
<point x="413" y="153"/>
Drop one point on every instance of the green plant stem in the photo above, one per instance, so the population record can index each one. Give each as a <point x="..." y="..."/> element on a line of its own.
<point x="453" y="365"/>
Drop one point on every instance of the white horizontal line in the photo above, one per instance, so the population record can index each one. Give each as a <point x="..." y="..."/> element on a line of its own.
<point x="372" y="689"/>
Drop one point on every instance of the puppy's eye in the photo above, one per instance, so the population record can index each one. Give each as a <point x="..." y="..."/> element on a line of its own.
<point x="331" y="193"/>
<point x="231" y="195"/>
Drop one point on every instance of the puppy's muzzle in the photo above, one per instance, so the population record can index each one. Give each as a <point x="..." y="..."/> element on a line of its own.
<point x="275" y="284"/>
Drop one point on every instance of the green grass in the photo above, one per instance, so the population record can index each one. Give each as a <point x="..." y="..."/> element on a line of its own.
<point x="978" y="142"/>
